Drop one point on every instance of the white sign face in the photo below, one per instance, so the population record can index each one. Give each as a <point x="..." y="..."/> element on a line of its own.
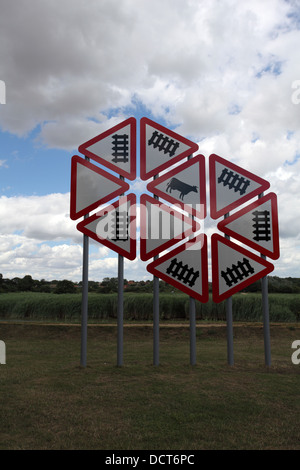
<point x="161" y="227"/>
<point x="231" y="186"/>
<point x="91" y="186"/>
<point x="114" y="226"/>
<point x="185" y="185"/>
<point x="161" y="148"/>
<point x="185" y="268"/>
<point x="256" y="225"/>
<point x="234" y="268"/>
<point x="115" y="148"/>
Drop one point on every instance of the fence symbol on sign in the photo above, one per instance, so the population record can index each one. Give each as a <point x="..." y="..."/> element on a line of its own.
<point x="180" y="186"/>
<point x="262" y="226"/>
<point x="233" y="181"/>
<point x="163" y="143"/>
<point x="120" y="226"/>
<point x="182" y="272"/>
<point x="238" y="272"/>
<point x="120" y="148"/>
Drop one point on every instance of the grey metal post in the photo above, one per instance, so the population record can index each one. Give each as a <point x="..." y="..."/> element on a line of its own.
<point x="265" y="309"/>
<point x="155" y="313"/>
<point x="84" y="300"/>
<point x="230" y="357"/>
<point x="120" y="310"/>
<point x="192" y="315"/>
<point x="120" y="313"/>
<point x="192" y="311"/>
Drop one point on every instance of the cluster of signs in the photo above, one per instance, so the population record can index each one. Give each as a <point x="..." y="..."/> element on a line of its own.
<point x="164" y="225"/>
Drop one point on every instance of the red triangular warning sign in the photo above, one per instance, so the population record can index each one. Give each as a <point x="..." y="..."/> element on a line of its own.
<point x="231" y="186"/>
<point x="161" y="227"/>
<point x="115" y="148"/>
<point x="185" y="268"/>
<point x="234" y="268"/>
<point x="161" y="148"/>
<point x="184" y="186"/>
<point x="91" y="186"/>
<point x="114" y="226"/>
<point x="256" y="225"/>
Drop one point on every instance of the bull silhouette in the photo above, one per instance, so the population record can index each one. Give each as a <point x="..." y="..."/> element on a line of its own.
<point x="180" y="186"/>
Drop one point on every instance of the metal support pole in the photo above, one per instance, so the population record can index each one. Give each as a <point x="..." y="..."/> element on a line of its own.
<point x="120" y="313"/>
<point x="266" y="327"/>
<point x="192" y="311"/>
<point x="84" y="301"/>
<point x="120" y="310"/>
<point x="230" y="357"/>
<point x="155" y="312"/>
<point x="192" y="315"/>
<point x="265" y="309"/>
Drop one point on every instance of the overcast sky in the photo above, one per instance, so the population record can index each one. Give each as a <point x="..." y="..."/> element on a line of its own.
<point x="223" y="73"/>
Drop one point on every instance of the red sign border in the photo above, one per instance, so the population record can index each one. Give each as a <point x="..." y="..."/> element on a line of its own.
<point x="222" y="226"/>
<point x="214" y="213"/>
<point x="144" y="175"/>
<point x="131" y="255"/>
<point x="74" y="215"/>
<point x="131" y="175"/>
<point x="144" y="255"/>
<point x="204" y="297"/>
<point x="215" y="238"/>
<point x="151" y="187"/>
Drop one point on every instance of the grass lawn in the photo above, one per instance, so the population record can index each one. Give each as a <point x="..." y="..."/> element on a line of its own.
<point x="49" y="402"/>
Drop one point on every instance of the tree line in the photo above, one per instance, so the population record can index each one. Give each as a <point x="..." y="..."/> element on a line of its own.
<point x="288" y="285"/>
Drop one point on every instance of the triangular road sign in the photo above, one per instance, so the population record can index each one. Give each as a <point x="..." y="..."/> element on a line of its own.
<point x="256" y="225"/>
<point x="115" y="148"/>
<point x="185" y="268"/>
<point x="184" y="186"/>
<point x="161" y="227"/>
<point x="231" y="186"/>
<point x="114" y="226"/>
<point x="91" y="186"/>
<point x="234" y="268"/>
<point x="161" y="148"/>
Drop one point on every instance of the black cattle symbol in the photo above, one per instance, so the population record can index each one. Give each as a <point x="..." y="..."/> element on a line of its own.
<point x="180" y="186"/>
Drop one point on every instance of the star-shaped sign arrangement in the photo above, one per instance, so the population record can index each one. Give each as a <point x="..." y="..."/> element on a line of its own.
<point x="170" y="230"/>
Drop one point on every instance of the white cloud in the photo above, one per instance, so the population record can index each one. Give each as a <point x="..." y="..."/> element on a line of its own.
<point x="220" y="73"/>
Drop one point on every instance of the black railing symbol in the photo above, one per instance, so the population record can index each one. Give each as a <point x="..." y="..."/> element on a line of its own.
<point x="120" y="148"/>
<point x="233" y="181"/>
<point x="262" y="227"/>
<point x="163" y="143"/>
<point x="120" y="226"/>
<point x="237" y="272"/>
<point x="182" y="272"/>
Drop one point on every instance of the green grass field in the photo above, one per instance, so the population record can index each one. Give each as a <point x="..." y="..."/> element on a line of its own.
<point x="103" y="307"/>
<point x="49" y="402"/>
